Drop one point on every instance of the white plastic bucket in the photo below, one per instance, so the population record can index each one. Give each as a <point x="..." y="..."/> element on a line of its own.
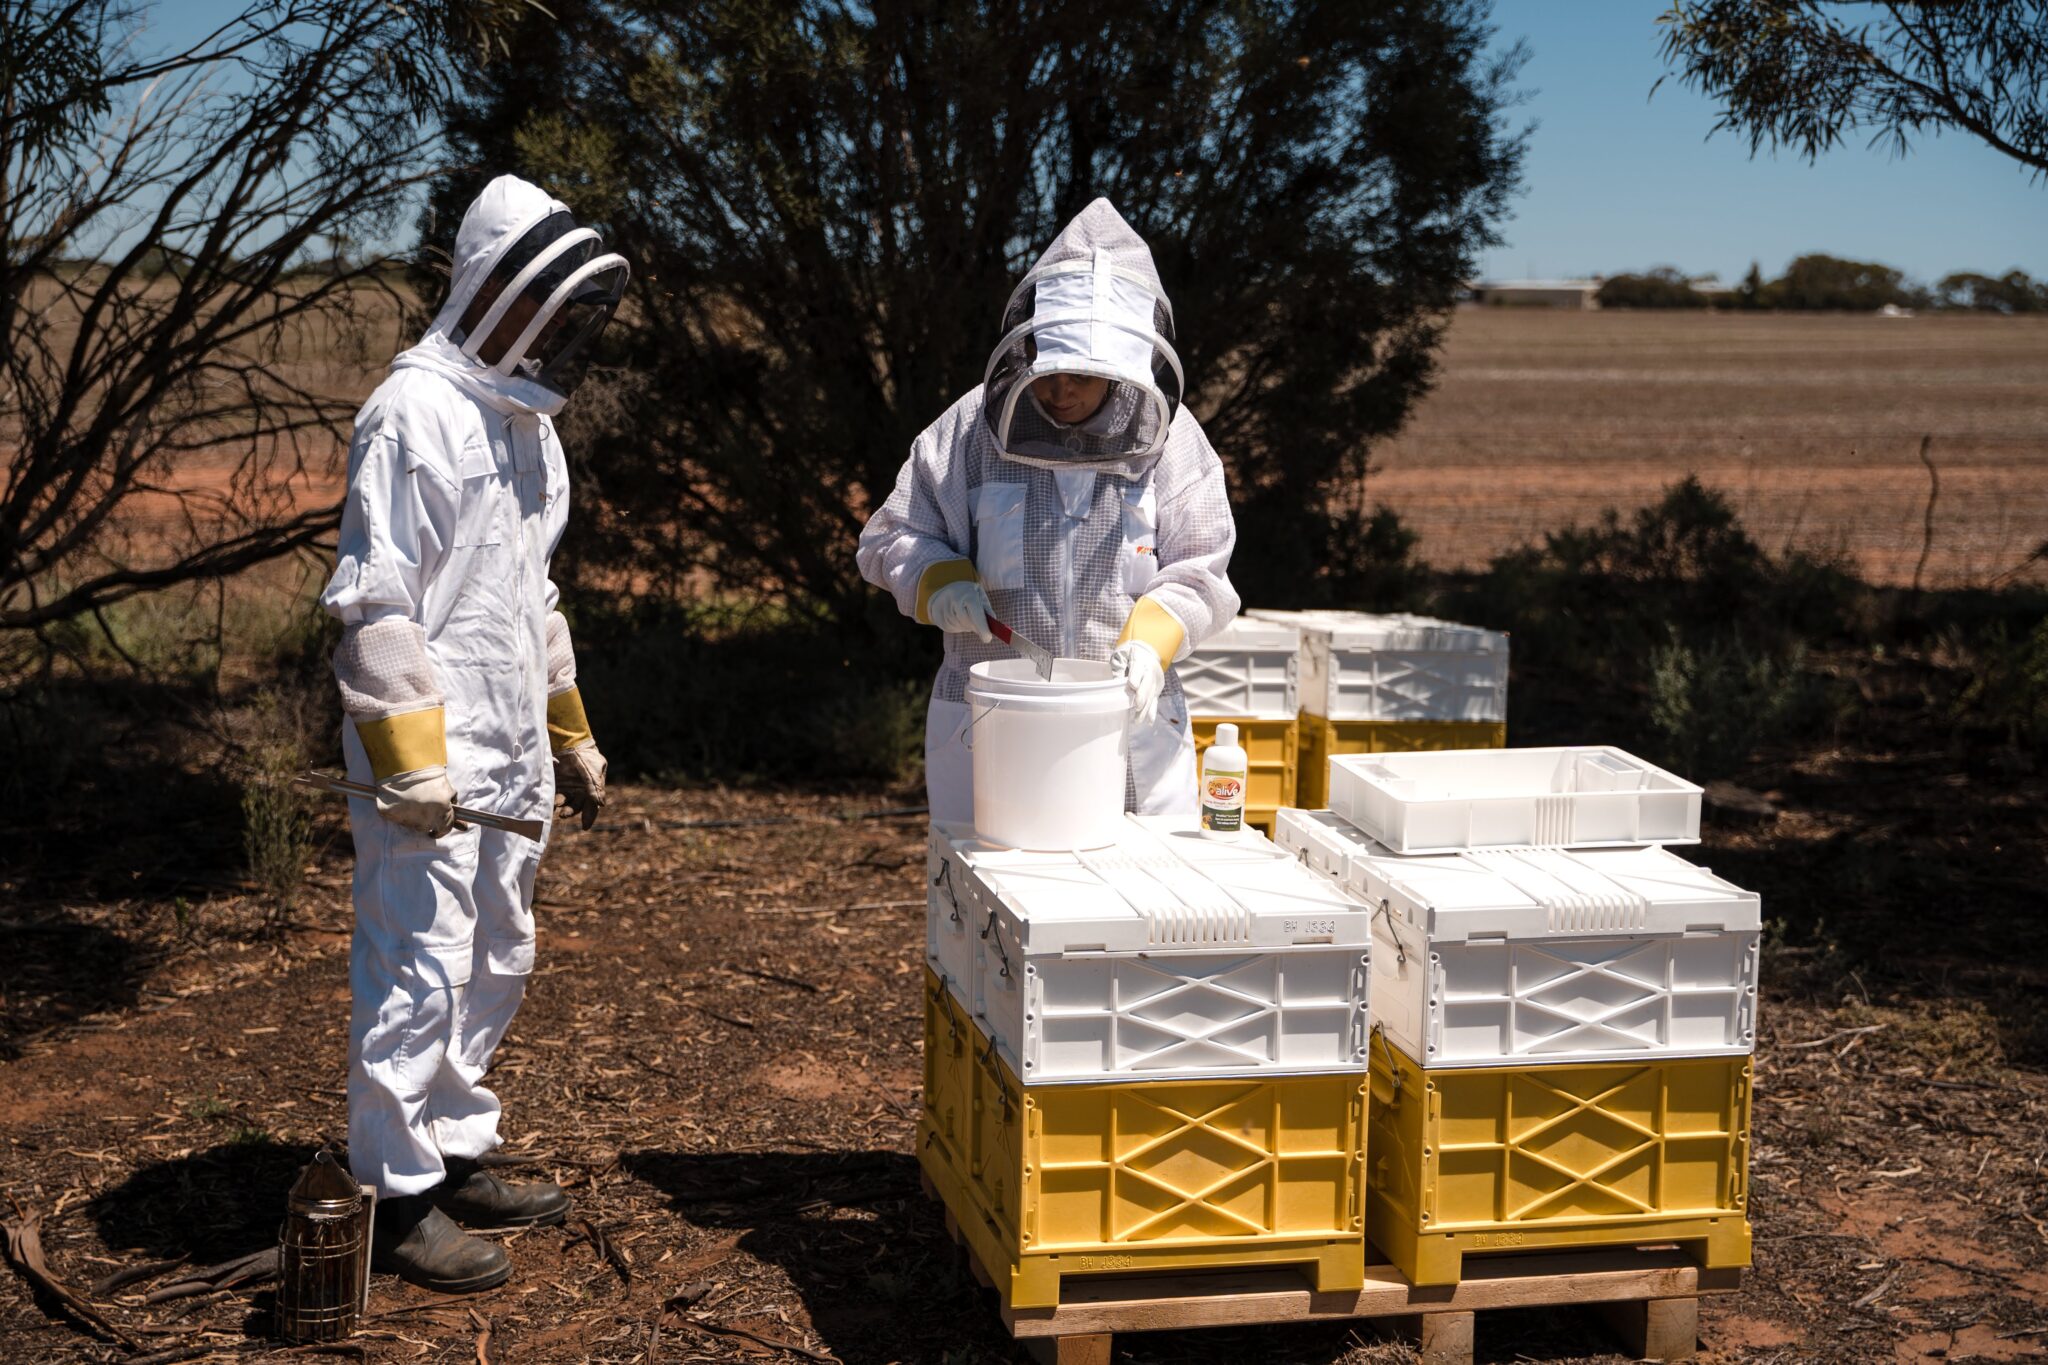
<point x="1049" y="756"/>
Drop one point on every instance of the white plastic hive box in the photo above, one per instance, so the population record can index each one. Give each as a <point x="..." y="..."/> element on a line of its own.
<point x="1581" y="797"/>
<point x="1322" y="841"/>
<point x="1165" y="956"/>
<point x="1544" y="955"/>
<point x="1246" y="669"/>
<point x="1361" y="666"/>
<point x="948" y="912"/>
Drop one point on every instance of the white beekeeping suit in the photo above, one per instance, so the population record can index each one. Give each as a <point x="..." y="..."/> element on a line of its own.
<point x="1086" y="536"/>
<point x="459" y="683"/>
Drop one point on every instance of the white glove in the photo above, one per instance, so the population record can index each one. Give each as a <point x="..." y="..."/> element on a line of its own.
<point x="1137" y="663"/>
<point x="579" y="780"/>
<point x="422" y="801"/>
<point x="961" y="608"/>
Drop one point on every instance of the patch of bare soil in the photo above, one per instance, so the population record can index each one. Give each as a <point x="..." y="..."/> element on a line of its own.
<point x="719" y="1056"/>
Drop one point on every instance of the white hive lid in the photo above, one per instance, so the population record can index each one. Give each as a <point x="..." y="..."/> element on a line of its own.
<point x="1548" y="893"/>
<point x="1249" y="632"/>
<point x="1159" y="888"/>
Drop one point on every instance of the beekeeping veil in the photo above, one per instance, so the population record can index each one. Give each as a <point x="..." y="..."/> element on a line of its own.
<point x="530" y="293"/>
<point x="1092" y="305"/>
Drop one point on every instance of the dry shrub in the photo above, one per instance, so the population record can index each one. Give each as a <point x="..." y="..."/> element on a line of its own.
<point x="277" y="817"/>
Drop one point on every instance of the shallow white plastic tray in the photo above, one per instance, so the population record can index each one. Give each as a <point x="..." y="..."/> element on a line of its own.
<point x="1489" y="1002"/>
<point x="1364" y="666"/>
<point x="1248" y="668"/>
<point x="1578" y="797"/>
<point x="1167" y="955"/>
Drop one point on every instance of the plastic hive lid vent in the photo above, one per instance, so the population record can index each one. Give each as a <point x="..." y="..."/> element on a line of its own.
<point x="1590" y="796"/>
<point x="1180" y="907"/>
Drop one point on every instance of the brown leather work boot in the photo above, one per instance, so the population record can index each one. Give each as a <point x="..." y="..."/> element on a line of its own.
<point x="475" y="1198"/>
<point x="422" y="1246"/>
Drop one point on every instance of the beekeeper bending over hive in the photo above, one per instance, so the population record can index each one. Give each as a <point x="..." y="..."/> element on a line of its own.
<point x="1074" y="498"/>
<point x="459" y="684"/>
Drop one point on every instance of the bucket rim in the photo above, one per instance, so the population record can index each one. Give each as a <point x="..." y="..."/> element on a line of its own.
<point x="1019" y="677"/>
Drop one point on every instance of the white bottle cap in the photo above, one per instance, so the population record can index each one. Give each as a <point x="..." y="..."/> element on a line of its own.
<point x="1226" y="734"/>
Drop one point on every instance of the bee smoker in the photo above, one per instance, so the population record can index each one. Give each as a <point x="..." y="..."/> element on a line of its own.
<point x="323" y="1259"/>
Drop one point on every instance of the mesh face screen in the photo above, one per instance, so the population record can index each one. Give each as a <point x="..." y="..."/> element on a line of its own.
<point x="520" y="255"/>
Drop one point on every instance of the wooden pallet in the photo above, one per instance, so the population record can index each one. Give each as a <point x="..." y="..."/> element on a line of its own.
<point x="1650" y="1296"/>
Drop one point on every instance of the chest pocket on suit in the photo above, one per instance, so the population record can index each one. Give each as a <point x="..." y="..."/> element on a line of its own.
<point x="999" y="534"/>
<point x="1141" y="538"/>
<point x="481" y="523"/>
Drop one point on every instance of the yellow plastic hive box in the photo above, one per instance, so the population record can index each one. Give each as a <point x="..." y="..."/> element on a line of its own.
<point x="1270" y="758"/>
<point x="1321" y="740"/>
<point x="1078" y="1179"/>
<point x="1561" y="1155"/>
<point x="948" y="1068"/>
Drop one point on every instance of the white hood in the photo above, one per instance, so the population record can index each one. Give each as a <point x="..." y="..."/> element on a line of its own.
<point x="495" y="220"/>
<point x="1092" y="305"/>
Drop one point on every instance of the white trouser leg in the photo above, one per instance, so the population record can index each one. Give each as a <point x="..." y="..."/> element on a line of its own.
<point x="463" y="1113"/>
<point x="1163" y="766"/>
<point x="443" y="944"/>
<point x="948" y="765"/>
<point x="408" y="962"/>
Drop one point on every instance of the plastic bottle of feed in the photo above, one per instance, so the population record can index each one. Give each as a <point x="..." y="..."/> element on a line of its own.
<point x="1223" y="778"/>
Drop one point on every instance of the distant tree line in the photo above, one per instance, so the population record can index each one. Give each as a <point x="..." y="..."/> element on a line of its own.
<point x="1816" y="282"/>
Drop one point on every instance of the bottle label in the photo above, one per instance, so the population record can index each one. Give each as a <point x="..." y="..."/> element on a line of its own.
<point x="1223" y="802"/>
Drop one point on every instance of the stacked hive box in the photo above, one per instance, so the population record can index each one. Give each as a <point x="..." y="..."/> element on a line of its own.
<point x="1245" y="674"/>
<point x="1562" y="1010"/>
<point x="1379" y="684"/>
<point x="1149" y="1056"/>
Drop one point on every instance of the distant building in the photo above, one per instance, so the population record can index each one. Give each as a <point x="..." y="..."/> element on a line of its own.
<point x="1569" y="294"/>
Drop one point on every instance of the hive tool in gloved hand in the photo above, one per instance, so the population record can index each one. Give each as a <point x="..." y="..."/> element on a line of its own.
<point x="1040" y="656"/>
<point x="339" y="786"/>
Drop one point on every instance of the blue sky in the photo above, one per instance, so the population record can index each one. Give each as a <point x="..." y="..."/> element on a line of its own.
<point x="1617" y="179"/>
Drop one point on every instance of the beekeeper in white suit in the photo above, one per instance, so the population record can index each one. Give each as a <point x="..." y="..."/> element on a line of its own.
<point x="1072" y="496"/>
<point x="459" y="683"/>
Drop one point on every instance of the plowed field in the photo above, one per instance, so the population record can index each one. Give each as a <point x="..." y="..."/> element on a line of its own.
<point x="1812" y="423"/>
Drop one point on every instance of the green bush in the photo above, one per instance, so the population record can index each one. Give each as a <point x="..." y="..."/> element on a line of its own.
<point x="277" y="818"/>
<point x="2005" y="688"/>
<point x="1712" y="706"/>
<point x="1670" y="628"/>
<point x="1612" y="593"/>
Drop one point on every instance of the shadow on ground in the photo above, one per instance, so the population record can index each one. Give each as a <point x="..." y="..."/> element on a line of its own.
<point x="881" y="1281"/>
<point x="111" y="837"/>
<point x="211" y="1206"/>
<point x="57" y="967"/>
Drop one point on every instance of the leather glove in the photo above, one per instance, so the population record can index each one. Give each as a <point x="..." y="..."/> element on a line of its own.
<point x="579" y="781"/>
<point x="961" y="608"/>
<point x="1137" y="663"/>
<point x="422" y="800"/>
